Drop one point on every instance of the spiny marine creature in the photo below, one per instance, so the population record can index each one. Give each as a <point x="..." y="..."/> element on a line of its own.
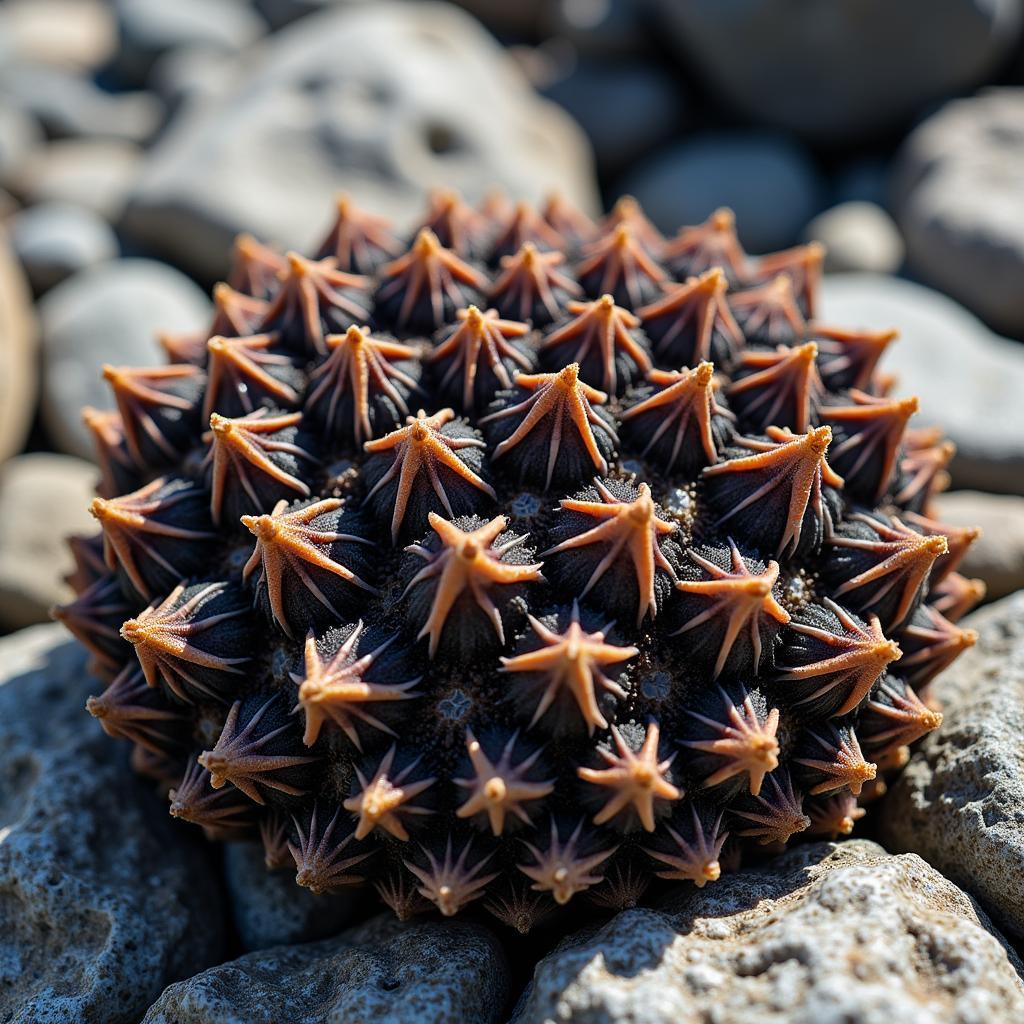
<point x="523" y="560"/>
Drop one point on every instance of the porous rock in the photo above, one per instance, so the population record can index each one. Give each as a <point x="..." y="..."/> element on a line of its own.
<point x="423" y="98"/>
<point x="968" y="379"/>
<point x="382" y="972"/>
<point x="269" y="909"/>
<point x="960" y="802"/>
<point x="958" y="200"/>
<point x="43" y="497"/>
<point x="103" y="900"/>
<point x="825" y="933"/>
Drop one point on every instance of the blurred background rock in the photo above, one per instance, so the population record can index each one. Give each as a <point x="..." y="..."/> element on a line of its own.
<point x="138" y="136"/>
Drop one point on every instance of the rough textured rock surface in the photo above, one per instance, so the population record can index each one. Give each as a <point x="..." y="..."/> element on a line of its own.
<point x="382" y="972"/>
<point x="424" y="97"/>
<point x="830" y="934"/>
<point x="959" y="202"/>
<point x="103" y="900"/>
<point x="960" y="803"/>
<point x="43" y="497"/>
<point x="18" y="353"/>
<point x="269" y="909"/>
<point x="852" y="67"/>
<point x="969" y="380"/>
<point x="107" y="314"/>
<point x="997" y="556"/>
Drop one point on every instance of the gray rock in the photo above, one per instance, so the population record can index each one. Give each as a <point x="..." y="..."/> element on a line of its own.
<point x="768" y="180"/>
<point x="851" y="67"/>
<point x="959" y="202"/>
<point x="107" y="314"/>
<point x="104" y="901"/>
<point x="151" y="28"/>
<point x="269" y="909"/>
<point x="33" y="555"/>
<point x="423" y="97"/>
<point x="19" y="353"/>
<point x="20" y="134"/>
<point x="626" y="108"/>
<point x="54" y="240"/>
<point x="997" y="556"/>
<point x="382" y="971"/>
<point x="969" y="380"/>
<point x="96" y="174"/>
<point x="283" y="12"/>
<point x="75" y="34"/>
<point x="960" y="801"/>
<point x="69" y="105"/>
<point x="858" y="236"/>
<point x="190" y="74"/>
<point x="825" y="934"/>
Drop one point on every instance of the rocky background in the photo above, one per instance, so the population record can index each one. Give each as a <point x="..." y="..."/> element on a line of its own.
<point x="138" y="136"/>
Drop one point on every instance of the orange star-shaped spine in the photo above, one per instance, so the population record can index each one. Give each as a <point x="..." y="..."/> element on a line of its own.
<point x="698" y="249"/>
<point x="337" y="690"/>
<point x="775" y="815"/>
<point x="384" y="798"/>
<point x="599" y="330"/>
<point x="558" y="401"/>
<point x="572" y="662"/>
<point x="802" y="265"/>
<point x="628" y="213"/>
<point x="781" y="387"/>
<point x="561" y="869"/>
<point x="629" y="528"/>
<point x="240" y="374"/>
<point x="572" y="224"/>
<point x="636" y="778"/>
<point x="498" y="789"/>
<point x="322" y="863"/>
<point x="359" y="242"/>
<point x="422" y="450"/>
<point x="256" y="269"/>
<point x="620" y="265"/>
<point x="837" y="759"/>
<point x="451" y="883"/>
<point x="525" y="226"/>
<point x="530" y="279"/>
<point x="768" y="312"/>
<point x="467" y="563"/>
<point x="848" y="358"/>
<point x="695" y="861"/>
<point x="739" y="595"/>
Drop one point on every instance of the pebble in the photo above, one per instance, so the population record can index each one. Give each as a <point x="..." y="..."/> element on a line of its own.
<point x="19" y="353"/>
<point x="423" y="98"/>
<point x="110" y="313"/>
<point x="79" y="35"/>
<point x="54" y="240"/>
<point x="20" y="135"/>
<point x="842" y="70"/>
<point x="826" y="933"/>
<point x="969" y="380"/>
<point x="381" y="972"/>
<point x="960" y="801"/>
<point x="858" y="236"/>
<point x="958" y="198"/>
<point x="768" y="180"/>
<point x="43" y="498"/>
<point x="104" y="899"/>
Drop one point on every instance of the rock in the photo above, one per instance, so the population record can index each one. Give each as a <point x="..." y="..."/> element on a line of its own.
<point x="826" y="933"/>
<point x="958" y="200"/>
<point x="997" y="556"/>
<point x="606" y="29"/>
<point x="104" y="900"/>
<point x="769" y="181"/>
<point x="625" y="108"/>
<point x="19" y="352"/>
<point x="423" y="97"/>
<point x="54" y="240"/>
<point x="20" y="134"/>
<point x="192" y="73"/>
<point x="852" y="67"/>
<point x="858" y="236"/>
<point x="269" y="909"/>
<point x="96" y="174"/>
<point x="43" y="498"/>
<point x="969" y="380"/>
<point x="382" y="971"/>
<point x="107" y="314"/>
<point x="283" y="12"/>
<point x="524" y="18"/>
<point x="151" y="28"/>
<point x="960" y="801"/>
<point x="69" y="105"/>
<point x="75" y="34"/>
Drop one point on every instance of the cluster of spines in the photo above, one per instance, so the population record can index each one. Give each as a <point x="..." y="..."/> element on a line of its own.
<point x="531" y="558"/>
